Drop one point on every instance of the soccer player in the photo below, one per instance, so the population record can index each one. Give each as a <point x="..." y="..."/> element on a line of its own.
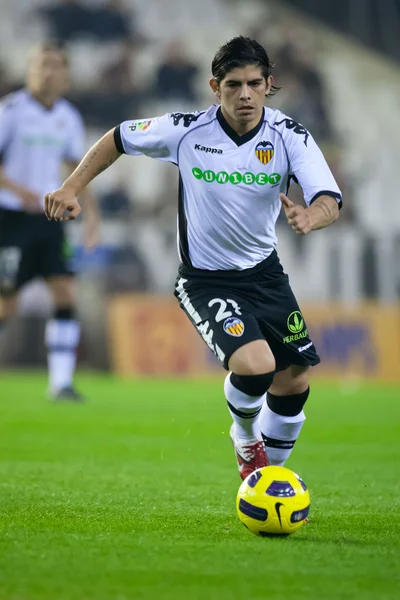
<point x="39" y="133"/>
<point x="236" y="161"/>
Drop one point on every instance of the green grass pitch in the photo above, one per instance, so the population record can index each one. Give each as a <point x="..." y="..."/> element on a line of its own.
<point x="132" y="496"/>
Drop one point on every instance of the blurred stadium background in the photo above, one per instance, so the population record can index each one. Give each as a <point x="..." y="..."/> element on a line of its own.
<point x="131" y="495"/>
<point x="337" y="64"/>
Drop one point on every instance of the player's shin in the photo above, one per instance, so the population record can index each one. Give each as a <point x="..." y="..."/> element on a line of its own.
<point x="245" y="395"/>
<point x="281" y="419"/>
<point x="62" y="339"/>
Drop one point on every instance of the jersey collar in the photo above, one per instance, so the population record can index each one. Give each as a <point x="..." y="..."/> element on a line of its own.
<point x="47" y="109"/>
<point x="235" y="137"/>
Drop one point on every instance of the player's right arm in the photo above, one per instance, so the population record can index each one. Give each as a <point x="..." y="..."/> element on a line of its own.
<point x="157" y="138"/>
<point x="30" y="200"/>
<point x="100" y="156"/>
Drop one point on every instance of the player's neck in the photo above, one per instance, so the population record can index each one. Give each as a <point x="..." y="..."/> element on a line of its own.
<point x="46" y="100"/>
<point x="241" y="128"/>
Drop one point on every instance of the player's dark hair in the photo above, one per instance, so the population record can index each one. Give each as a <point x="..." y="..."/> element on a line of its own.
<point x="241" y="51"/>
<point x="52" y="45"/>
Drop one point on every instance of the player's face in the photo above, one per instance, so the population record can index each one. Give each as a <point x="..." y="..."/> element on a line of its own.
<point x="48" y="73"/>
<point x="242" y="95"/>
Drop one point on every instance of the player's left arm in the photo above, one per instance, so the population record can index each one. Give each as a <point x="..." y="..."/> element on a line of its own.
<point x="323" y="212"/>
<point x="308" y="167"/>
<point x="91" y="218"/>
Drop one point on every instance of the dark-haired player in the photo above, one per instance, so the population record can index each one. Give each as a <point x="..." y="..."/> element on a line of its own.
<point x="40" y="133"/>
<point x="236" y="161"/>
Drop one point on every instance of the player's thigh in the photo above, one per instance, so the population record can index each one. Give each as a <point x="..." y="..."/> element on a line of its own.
<point x="284" y="327"/>
<point x="10" y="263"/>
<point x="293" y="380"/>
<point x="254" y="358"/>
<point x="17" y="252"/>
<point x="223" y="319"/>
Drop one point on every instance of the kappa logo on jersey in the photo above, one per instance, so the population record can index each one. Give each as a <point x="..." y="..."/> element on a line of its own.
<point x="264" y="152"/>
<point x="207" y="149"/>
<point x="188" y="118"/>
<point x="233" y="326"/>
<point x="297" y="128"/>
<point x="141" y="125"/>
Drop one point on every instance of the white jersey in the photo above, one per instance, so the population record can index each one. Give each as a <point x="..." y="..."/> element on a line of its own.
<point x="230" y="184"/>
<point x="34" y="142"/>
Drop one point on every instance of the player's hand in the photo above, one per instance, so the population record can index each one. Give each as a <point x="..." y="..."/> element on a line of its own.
<point x="61" y="205"/>
<point x="297" y="216"/>
<point x="30" y="200"/>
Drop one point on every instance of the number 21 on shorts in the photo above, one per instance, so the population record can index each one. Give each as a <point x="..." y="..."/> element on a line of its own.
<point x="222" y="313"/>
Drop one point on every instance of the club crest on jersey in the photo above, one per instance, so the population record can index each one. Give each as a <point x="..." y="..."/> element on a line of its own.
<point x="264" y="152"/>
<point x="233" y="326"/>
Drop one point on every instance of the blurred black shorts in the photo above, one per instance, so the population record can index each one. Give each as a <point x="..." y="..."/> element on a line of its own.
<point x="31" y="246"/>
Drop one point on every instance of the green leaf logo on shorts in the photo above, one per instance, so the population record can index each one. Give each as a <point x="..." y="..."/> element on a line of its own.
<point x="295" y="322"/>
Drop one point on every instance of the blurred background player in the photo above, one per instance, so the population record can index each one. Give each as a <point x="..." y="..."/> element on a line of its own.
<point x="40" y="133"/>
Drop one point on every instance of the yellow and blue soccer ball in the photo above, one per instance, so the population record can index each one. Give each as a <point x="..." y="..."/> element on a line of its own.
<point x="273" y="501"/>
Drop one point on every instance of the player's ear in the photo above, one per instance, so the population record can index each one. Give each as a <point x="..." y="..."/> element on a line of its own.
<point x="214" y="85"/>
<point x="270" y="83"/>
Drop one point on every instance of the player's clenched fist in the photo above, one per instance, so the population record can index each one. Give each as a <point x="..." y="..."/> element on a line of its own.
<point x="297" y="216"/>
<point x="61" y="205"/>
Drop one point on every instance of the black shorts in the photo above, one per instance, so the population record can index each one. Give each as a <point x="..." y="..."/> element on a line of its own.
<point x="232" y="308"/>
<point x="30" y="246"/>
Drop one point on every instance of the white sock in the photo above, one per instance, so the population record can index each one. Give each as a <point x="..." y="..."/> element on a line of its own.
<point x="244" y="410"/>
<point x="279" y="434"/>
<point x="62" y="339"/>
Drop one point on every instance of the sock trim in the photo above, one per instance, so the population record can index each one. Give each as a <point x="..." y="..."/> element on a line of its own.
<point x="244" y="415"/>
<point x="275" y="443"/>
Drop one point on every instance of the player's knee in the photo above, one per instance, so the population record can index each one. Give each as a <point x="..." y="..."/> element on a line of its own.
<point x="8" y="305"/>
<point x="289" y="405"/>
<point x="291" y="381"/>
<point x="252" y="385"/>
<point x="255" y="358"/>
<point x="63" y="291"/>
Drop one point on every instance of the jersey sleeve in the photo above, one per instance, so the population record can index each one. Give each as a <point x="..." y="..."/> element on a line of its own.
<point x="75" y="145"/>
<point x="157" y="138"/>
<point x="308" y="166"/>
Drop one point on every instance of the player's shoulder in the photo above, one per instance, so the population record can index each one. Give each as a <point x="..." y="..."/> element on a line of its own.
<point x="285" y="125"/>
<point x="70" y="111"/>
<point x="14" y="101"/>
<point x="185" y="121"/>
